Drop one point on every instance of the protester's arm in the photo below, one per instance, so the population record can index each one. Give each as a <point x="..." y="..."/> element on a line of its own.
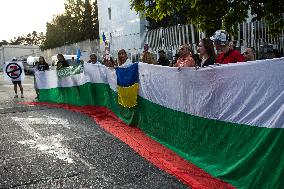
<point x="189" y="62"/>
<point x="168" y="62"/>
<point x="153" y="59"/>
<point x="46" y="67"/>
<point x="239" y="57"/>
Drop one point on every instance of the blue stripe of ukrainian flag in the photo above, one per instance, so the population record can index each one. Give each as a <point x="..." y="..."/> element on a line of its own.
<point x="127" y="85"/>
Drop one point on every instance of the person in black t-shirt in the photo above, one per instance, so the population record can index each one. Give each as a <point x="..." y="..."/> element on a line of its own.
<point x="40" y="66"/>
<point x="162" y="59"/>
<point x="62" y="63"/>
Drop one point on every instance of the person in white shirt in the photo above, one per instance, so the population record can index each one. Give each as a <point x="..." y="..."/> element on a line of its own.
<point x="123" y="60"/>
<point x="93" y="59"/>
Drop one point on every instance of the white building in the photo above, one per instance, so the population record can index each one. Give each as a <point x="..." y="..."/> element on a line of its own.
<point x="7" y="52"/>
<point x="122" y="26"/>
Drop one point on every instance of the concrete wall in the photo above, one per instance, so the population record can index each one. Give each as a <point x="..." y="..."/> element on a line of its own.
<point x="87" y="47"/>
<point x="7" y="52"/>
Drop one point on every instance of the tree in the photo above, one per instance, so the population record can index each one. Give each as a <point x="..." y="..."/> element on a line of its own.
<point x="20" y="40"/>
<point x="90" y="29"/>
<point x="74" y="11"/>
<point x="55" y="35"/>
<point x="77" y="23"/>
<point x="95" y="20"/>
<point x="3" y="42"/>
<point x="41" y="39"/>
<point x="211" y="15"/>
<point x="87" y="23"/>
<point x="271" y="11"/>
<point x="32" y="38"/>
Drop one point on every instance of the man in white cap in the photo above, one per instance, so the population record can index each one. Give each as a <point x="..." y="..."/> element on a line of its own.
<point x="221" y="41"/>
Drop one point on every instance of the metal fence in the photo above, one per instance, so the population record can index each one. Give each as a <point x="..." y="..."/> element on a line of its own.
<point x="253" y="34"/>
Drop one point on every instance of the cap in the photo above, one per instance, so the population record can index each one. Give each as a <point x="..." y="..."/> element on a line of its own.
<point x="221" y="37"/>
<point x="14" y="59"/>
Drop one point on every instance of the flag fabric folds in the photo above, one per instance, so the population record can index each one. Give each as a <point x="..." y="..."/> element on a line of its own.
<point x="71" y="70"/>
<point x="127" y="85"/>
<point x="227" y="120"/>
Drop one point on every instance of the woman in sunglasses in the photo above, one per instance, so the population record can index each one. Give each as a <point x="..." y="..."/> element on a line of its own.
<point x="185" y="57"/>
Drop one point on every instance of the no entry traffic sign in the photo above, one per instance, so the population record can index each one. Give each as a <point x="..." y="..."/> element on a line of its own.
<point x="13" y="70"/>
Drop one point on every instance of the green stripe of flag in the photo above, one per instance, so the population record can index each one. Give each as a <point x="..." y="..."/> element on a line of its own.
<point x="244" y="156"/>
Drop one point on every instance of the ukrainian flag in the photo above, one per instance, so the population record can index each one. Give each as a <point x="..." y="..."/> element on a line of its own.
<point x="127" y="85"/>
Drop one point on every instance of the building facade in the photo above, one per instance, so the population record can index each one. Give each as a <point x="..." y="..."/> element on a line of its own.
<point x="122" y="27"/>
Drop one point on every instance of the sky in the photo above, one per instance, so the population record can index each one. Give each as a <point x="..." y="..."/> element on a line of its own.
<point x="20" y="17"/>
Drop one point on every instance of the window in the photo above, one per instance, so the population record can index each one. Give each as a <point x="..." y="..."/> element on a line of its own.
<point x="109" y="13"/>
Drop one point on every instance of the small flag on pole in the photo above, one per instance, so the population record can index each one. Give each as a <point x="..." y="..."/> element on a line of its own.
<point x="78" y="55"/>
<point x="104" y="37"/>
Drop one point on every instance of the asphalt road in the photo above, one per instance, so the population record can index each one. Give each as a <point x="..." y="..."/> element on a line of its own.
<point x="43" y="147"/>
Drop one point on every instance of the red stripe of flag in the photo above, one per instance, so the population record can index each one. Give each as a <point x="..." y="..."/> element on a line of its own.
<point x="162" y="157"/>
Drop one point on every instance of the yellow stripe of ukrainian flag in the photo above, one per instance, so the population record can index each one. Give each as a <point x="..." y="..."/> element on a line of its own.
<point x="127" y="96"/>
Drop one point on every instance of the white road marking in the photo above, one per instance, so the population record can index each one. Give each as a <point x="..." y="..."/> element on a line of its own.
<point x="51" y="144"/>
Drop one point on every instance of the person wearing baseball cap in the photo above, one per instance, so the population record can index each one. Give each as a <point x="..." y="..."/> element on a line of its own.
<point x="221" y="40"/>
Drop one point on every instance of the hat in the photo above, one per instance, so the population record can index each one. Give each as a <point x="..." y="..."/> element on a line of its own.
<point x="221" y="37"/>
<point x="161" y="51"/>
<point x="14" y="59"/>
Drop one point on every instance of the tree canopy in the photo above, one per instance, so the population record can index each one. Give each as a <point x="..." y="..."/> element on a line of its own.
<point x="211" y="15"/>
<point x="77" y="23"/>
<point x="32" y="38"/>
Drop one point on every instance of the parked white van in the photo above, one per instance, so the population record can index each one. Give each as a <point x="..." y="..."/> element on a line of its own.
<point x="29" y="65"/>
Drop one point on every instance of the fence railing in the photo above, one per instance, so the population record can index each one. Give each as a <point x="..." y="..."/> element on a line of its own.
<point x="253" y="34"/>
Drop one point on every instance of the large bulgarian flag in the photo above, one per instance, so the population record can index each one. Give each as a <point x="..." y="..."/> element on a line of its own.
<point x="228" y="120"/>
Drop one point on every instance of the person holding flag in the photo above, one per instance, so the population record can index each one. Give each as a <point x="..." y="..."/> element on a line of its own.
<point x="40" y="66"/>
<point x="62" y="63"/>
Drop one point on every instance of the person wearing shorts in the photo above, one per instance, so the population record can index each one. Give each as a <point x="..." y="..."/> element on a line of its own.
<point x="15" y="89"/>
<point x="17" y="82"/>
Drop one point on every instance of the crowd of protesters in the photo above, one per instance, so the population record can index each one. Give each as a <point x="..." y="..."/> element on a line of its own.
<point x="218" y="49"/>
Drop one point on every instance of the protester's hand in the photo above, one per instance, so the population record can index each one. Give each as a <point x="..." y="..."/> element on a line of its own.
<point x="111" y="68"/>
